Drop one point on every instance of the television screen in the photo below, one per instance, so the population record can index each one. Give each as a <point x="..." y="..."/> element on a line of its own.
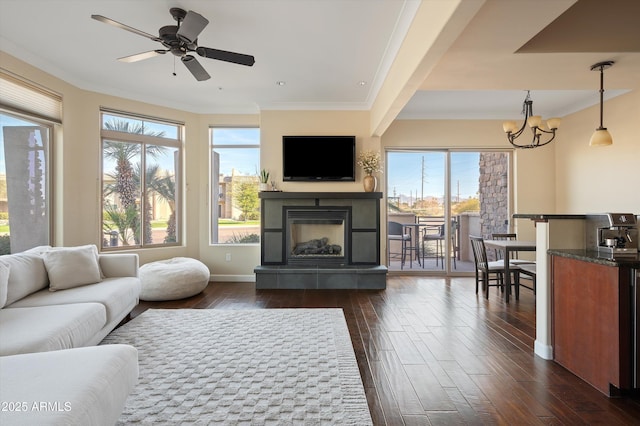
<point x="318" y="158"/>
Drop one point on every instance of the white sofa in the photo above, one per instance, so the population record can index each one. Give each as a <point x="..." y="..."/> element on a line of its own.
<point x="34" y="318"/>
<point x="81" y="386"/>
<point x="56" y="304"/>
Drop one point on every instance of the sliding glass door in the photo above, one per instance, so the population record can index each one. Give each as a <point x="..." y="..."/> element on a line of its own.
<point x="441" y="197"/>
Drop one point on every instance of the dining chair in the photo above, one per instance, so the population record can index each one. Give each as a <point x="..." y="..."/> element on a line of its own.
<point x="396" y="232"/>
<point x="487" y="271"/>
<point x="529" y="270"/>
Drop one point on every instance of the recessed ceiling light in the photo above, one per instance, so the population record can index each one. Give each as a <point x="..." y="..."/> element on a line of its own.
<point x="281" y="83"/>
<point x="362" y="83"/>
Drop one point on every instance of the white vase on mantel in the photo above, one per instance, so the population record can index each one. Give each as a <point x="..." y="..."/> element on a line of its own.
<point x="263" y="186"/>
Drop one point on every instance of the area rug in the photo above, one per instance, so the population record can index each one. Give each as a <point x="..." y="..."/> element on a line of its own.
<point x="235" y="367"/>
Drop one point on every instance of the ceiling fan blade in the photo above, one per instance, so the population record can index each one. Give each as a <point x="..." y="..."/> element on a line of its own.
<point x="223" y="55"/>
<point x="192" y="26"/>
<point x="196" y="69"/>
<point x="141" y="56"/>
<point x="124" y="27"/>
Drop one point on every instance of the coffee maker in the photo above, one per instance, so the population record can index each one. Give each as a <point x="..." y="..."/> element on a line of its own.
<point x="620" y="238"/>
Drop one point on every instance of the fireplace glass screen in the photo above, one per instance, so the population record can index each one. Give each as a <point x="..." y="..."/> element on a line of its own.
<point x="316" y="236"/>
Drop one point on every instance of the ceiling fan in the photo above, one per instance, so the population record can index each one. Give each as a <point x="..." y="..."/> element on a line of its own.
<point x="181" y="40"/>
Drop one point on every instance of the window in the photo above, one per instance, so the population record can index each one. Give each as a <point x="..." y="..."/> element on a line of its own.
<point x="452" y="194"/>
<point x="28" y="116"/>
<point x="235" y="206"/>
<point x="141" y="160"/>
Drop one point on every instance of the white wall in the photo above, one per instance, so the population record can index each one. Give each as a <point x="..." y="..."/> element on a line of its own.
<point x="600" y="179"/>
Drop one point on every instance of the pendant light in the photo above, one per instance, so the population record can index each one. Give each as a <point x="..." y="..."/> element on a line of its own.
<point x="601" y="137"/>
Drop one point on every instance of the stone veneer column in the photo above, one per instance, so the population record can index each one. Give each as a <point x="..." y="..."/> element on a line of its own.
<point x="494" y="192"/>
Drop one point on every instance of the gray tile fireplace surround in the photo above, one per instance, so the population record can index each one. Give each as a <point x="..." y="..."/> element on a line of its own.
<point x="357" y="267"/>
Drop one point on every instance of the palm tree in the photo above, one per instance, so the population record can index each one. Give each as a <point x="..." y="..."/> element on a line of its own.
<point x="124" y="221"/>
<point x="123" y="154"/>
<point x="165" y="188"/>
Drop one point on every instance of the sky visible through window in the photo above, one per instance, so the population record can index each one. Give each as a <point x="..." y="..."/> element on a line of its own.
<point x="245" y="162"/>
<point x="8" y="121"/>
<point x="407" y="177"/>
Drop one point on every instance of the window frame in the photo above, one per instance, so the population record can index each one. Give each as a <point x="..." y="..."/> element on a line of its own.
<point x="26" y="100"/>
<point x="144" y="141"/>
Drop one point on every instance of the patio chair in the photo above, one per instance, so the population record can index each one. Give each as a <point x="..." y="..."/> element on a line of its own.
<point x="395" y="232"/>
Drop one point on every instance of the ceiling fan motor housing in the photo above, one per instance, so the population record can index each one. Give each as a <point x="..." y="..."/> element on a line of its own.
<point x="170" y="40"/>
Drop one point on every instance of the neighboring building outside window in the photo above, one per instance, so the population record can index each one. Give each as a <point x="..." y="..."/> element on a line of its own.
<point x="141" y="197"/>
<point x="235" y="205"/>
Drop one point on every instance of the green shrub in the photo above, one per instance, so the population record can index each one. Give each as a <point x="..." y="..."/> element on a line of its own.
<point x="5" y="244"/>
<point x="243" y="239"/>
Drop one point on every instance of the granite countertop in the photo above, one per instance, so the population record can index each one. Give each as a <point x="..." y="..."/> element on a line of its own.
<point x="593" y="256"/>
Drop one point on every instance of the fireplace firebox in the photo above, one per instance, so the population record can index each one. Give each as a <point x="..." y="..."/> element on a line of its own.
<point x="316" y="236"/>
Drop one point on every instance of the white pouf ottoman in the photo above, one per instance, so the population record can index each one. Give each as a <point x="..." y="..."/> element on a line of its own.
<point x="173" y="279"/>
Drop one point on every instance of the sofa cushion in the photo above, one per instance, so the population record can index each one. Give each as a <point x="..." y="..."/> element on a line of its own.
<point x="27" y="275"/>
<point x="115" y="294"/>
<point x="84" y="386"/>
<point x="49" y="328"/>
<point x="71" y="267"/>
<point x="4" y="281"/>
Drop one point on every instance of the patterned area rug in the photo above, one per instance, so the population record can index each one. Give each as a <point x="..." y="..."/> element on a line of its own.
<point x="235" y="367"/>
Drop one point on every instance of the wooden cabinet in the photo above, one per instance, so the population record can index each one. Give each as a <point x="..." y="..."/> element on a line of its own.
<point x="591" y="321"/>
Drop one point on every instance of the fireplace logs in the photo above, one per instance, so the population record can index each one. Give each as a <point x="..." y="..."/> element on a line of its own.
<point x="317" y="247"/>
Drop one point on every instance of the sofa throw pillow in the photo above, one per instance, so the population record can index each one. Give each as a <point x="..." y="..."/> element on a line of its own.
<point x="27" y="275"/>
<point x="71" y="267"/>
<point x="4" y="282"/>
<point x="44" y="249"/>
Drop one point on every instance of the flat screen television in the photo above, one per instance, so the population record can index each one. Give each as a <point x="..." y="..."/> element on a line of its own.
<point x="318" y="158"/>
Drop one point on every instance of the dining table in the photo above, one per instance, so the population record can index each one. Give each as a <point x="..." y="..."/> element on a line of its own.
<point x="507" y="247"/>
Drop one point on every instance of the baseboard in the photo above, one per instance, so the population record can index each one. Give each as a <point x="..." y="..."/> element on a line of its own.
<point x="542" y="350"/>
<point x="233" y="278"/>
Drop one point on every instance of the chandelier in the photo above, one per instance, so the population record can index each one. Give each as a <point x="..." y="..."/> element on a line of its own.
<point x="536" y="125"/>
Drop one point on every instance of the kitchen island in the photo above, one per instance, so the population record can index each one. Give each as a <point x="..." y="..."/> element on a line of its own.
<point x="593" y="317"/>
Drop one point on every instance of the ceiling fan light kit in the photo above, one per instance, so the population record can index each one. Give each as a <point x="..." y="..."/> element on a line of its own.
<point x="534" y="122"/>
<point x="181" y="40"/>
<point x="601" y="137"/>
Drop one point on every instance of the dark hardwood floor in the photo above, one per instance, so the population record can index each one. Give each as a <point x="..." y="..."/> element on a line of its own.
<point x="432" y="352"/>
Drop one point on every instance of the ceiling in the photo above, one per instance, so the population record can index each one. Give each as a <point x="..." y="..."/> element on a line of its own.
<point x="335" y="54"/>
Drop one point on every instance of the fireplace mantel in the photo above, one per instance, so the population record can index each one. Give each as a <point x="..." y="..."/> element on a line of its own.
<point x="360" y="268"/>
<point x="320" y="195"/>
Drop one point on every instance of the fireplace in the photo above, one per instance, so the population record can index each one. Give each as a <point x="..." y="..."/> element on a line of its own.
<point x="320" y="240"/>
<point x="316" y="236"/>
